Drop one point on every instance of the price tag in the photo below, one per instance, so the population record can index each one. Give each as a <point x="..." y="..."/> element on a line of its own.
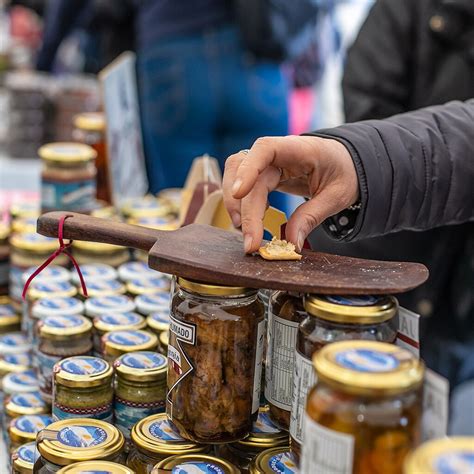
<point x="408" y="335"/>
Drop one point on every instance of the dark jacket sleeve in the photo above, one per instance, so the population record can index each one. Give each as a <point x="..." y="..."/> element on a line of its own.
<point x="416" y="170"/>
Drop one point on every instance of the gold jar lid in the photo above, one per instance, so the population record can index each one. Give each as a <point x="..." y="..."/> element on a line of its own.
<point x="159" y="321"/>
<point x="90" y="121"/>
<point x="442" y="456"/>
<point x="91" y="467"/>
<point x="97" y="247"/>
<point x="83" y="371"/>
<point x="33" y="242"/>
<point x="120" y="342"/>
<point x="8" y="315"/>
<point x="24" y="458"/>
<point x="156" y="434"/>
<point x="67" y="153"/>
<point x="64" y="327"/>
<point x="208" y="289"/>
<point x="119" y="322"/>
<point x="29" y="403"/>
<point x="368" y="368"/>
<point x="24" y="429"/>
<point x="352" y="309"/>
<point x="148" y="285"/>
<point x="274" y="460"/>
<point x="98" y="288"/>
<point x="141" y="366"/>
<point x="79" y="439"/>
<point x="105" y="212"/>
<point x="48" y="289"/>
<point x="146" y="206"/>
<point x="14" y="363"/>
<point x="165" y="339"/>
<point x="192" y="462"/>
<point x="24" y="225"/>
<point x="19" y="210"/>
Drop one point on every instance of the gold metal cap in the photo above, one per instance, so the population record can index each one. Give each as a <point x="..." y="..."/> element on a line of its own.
<point x="446" y="455"/>
<point x="67" y="152"/>
<point x="154" y="222"/>
<point x="190" y="460"/>
<point x="24" y="429"/>
<point x="48" y="289"/>
<point x="29" y="403"/>
<point x="141" y="366"/>
<point x="8" y="315"/>
<point x="24" y="457"/>
<point x="83" y="371"/>
<point x="146" y="206"/>
<point x="24" y="225"/>
<point x="148" y="285"/>
<point x="207" y="289"/>
<point x="90" y="121"/>
<point x="120" y="342"/>
<point x="159" y="321"/>
<point x="64" y="327"/>
<point x="98" y="288"/>
<point x="119" y="322"/>
<point x="33" y="242"/>
<point x="88" y="467"/>
<point x="274" y="460"/>
<point x="79" y="439"/>
<point x="368" y="368"/>
<point x="352" y="309"/>
<point x="14" y="363"/>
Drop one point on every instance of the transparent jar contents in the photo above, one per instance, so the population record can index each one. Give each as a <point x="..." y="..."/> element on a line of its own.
<point x="381" y="429"/>
<point x="214" y="365"/>
<point x="285" y="313"/>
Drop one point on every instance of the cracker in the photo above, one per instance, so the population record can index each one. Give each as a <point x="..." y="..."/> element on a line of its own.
<point x="279" y="250"/>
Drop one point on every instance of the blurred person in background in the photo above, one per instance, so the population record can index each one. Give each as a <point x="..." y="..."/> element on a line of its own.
<point x="411" y="54"/>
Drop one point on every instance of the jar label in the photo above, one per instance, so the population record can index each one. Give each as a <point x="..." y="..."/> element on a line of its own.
<point x="27" y="378"/>
<point x="366" y="360"/>
<point x="52" y="286"/>
<point x="257" y="379"/>
<point x="60" y="303"/>
<point x="135" y="269"/>
<point x="143" y="360"/>
<point x="103" y="412"/>
<point x="84" y="365"/>
<point x="104" y="285"/>
<point x="28" y="453"/>
<point x="363" y="300"/>
<point x="325" y="451"/>
<point x="13" y="340"/>
<point x="91" y="270"/>
<point x="304" y="379"/>
<point x="128" y="338"/>
<point x="280" y="364"/>
<point x="27" y="400"/>
<point x="111" y="301"/>
<point x="197" y="468"/>
<point x="454" y="463"/>
<point x="164" y="431"/>
<point x="32" y="423"/>
<point x="264" y="424"/>
<point x="82" y="436"/>
<point x="63" y="321"/>
<point x="282" y="463"/>
<point x="155" y="299"/>
<point x="18" y="359"/>
<point x="73" y="196"/>
<point x="408" y="335"/>
<point x="120" y="319"/>
<point x="156" y="283"/>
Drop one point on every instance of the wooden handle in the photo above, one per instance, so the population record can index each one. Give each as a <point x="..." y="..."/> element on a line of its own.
<point x="93" y="229"/>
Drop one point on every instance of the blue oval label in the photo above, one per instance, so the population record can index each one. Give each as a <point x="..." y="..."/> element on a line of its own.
<point x="32" y="423"/>
<point x="27" y="400"/>
<point x="197" y="467"/>
<point x="60" y="303"/>
<point x="164" y="430"/>
<point x="53" y="286"/>
<point x="264" y="424"/>
<point x="50" y="272"/>
<point x="156" y="283"/>
<point x="104" y="285"/>
<point x="353" y="300"/>
<point x="156" y="299"/>
<point x="97" y="269"/>
<point x="120" y="319"/>
<point x="34" y="238"/>
<point x="14" y="339"/>
<point x="83" y="365"/>
<point x="18" y="359"/>
<point x="143" y="360"/>
<point x="461" y="462"/>
<point x="282" y="463"/>
<point x="162" y="317"/>
<point x="139" y="268"/>
<point x="63" y="321"/>
<point x="28" y="452"/>
<point x="367" y="360"/>
<point x="151" y="221"/>
<point x="78" y="436"/>
<point x="27" y="378"/>
<point x="110" y="301"/>
<point x="128" y="338"/>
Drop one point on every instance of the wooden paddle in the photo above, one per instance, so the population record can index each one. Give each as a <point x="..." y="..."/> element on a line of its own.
<point x="213" y="255"/>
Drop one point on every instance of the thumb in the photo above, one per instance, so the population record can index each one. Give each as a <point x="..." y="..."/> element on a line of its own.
<point x="310" y="215"/>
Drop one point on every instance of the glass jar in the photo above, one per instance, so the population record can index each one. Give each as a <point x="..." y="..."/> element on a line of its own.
<point x="366" y="405"/>
<point x="99" y="288"/>
<point x="453" y="455"/>
<point x="10" y="320"/>
<point x="67" y="177"/>
<point x="152" y="302"/>
<point x="264" y="435"/>
<point x="189" y="463"/>
<point x="156" y="438"/>
<point x="94" y="467"/>
<point x="82" y="439"/>
<point x="82" y="389"/>
<point x="115" y="322"/>
<point x="24" y="458"/>
<point x="108" y="304"/>
<point x="60" y="337"/>
<point x="135" y="271"/>
<point x="4" y="258"/>
<point x="95" y="252"/>
<point x="14" y="343"/>
<point x="164" y="340"/>
<point x="329" y="319"/>
<point x="20" y="404"/>
<point x="159" y="321"/>
<point x="274" y="461"/>
<point x="286" y="310"/>
<point x="140" y="388"/>
<point x="145" y="286"/>
<point x="89" y="128"/>
<point x="215" y="361"/>
<point x="24" y="429"/>
<point x="116" y="343"/>
<point x="94" y="272"/>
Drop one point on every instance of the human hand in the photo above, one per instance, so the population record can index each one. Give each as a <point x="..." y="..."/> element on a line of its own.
<point x="318" y="168"/>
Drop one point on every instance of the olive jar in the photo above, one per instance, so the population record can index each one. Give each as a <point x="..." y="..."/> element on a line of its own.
<point x="214" y="361"/>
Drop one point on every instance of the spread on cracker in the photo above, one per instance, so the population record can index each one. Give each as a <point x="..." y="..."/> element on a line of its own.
<point x="279" y="250"/>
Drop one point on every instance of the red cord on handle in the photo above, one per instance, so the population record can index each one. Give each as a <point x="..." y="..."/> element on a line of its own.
<point x="63" y="248"/>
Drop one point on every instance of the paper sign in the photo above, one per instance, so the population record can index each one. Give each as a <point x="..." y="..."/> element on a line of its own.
<point x="408" y="335"/>
<point x="434" y="422"/>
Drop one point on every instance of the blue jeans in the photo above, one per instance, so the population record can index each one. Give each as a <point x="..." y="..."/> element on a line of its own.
<point x="203" y="94"/>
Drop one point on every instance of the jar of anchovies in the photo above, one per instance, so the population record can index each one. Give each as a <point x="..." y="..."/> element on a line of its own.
<point x="94" y="272"/>
<point x="24" y="429"/>
<point x="274" y="461"/>
<point x="99" y="288"/>
<point x="140" y="388"/>
<point x="329" y="319"/>
<point x="131" y="271"/>
<point x="24" y="458"/>
<point x="156" y="438"/>
<point x="149" y="303"/>
<point x="189" y="463"/>
<point x="10" y="320"/>
<point x="108" y="304"/>
<point x="95" y="252"/>
<point x="83" y="439"/>
<point x="60" y="337"/>
<point x="366" y="406"/>
<point x="145" y="286"/>
<point x="116" y="343"/>
<point x="83" y="389"/>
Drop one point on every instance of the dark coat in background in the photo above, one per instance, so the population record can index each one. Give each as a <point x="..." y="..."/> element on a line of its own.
<point x="411" y="54"/>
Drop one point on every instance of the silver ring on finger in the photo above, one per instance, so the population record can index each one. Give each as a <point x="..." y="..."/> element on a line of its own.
<point x="245" y="152"/>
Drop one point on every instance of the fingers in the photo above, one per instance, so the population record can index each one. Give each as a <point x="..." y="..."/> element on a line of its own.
<point x="232" y="205"/>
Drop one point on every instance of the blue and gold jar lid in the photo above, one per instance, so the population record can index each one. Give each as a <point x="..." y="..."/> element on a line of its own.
<point x="141" y="366"/>
<point x="95" y="271"/>
<point x="150" y="302"/>
<point x="14" y="343"/>
<point x="119" y="322"/>
<point x="24" y="458"/>
<point x="29" y="403"/>
<point x="135" y="270"/>
<point x="83" y="371"/>
<point x="274" y="461"/>
<point x="96" y="467"/>
<point x="64" y="327"/>
<point x="97" y="288"/>
<point x="24" y="429"/>
<point x="159" y="320"/>
<point x="116" y="343"/>
<point x="47" y="289"/>
<point x="109" y="304"/>
<point x="144" y="286"/>
<point x="57" y="306"/>
<point x="192" y="463"/>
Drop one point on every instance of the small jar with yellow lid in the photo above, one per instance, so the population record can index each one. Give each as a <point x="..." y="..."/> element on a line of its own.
<point x="131" y="271"/>
<point x="83" y="389"/>
<point x="214" y="361"/>
<point x="94" y="272"/>
<point x="95" y="467"/>
<point x="190" y="463"/>
<point x="14" y="363"/>
<point x="366" y="405"/>
<point x="82" y="439"/>
<point x="149" y="303"/>
<point x="108" y="304"/>
<point x="24" y="429"/>
<point x="14" y="343"/>
<point x="156" y="438"/>
<point x="159" y="321"/>
<point x="115" y="322"/>
<point x="4" y="258"/>
<point x="329" y="319"/>
<point x="274" y="461"/>
<point x="89" y="128"/>
<point x="264" y="435"/>
<point x="163" y="342"/>
<point x="145" y="286"/>
<point x="68" y="177"/>
<point x="10" y="320"/>
<point x="116" y="343"/>
<point x="19" y="404"/>
<point x="286" y="311"/>
<point x="98" y="288"/>
<point x="24" y="458"/>
<point x="146" y="206"/>
<point x="95" y="252"/>
<point x="442" y="456"/>
<point x="60" y="337"/>
<point x="140" y="388"/>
